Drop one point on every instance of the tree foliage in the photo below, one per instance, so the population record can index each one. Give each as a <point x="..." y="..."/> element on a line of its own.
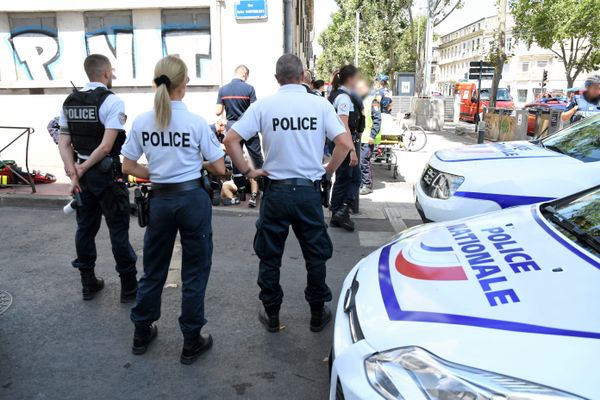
<point x="568" y="28"/>
<point x="383" y="43"/>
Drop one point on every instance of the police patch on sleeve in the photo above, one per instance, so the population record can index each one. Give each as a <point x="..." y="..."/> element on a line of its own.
<point x="343" y="107"/>
<point x="122" y="118"/>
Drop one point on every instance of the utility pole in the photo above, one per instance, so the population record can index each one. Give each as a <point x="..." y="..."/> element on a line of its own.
<point x="500" y="57"/>
<point x="428" y="53"/>
<point x="356" y="38"/>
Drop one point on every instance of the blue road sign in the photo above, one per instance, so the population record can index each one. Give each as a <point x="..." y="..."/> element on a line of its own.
<point x="251" y="9"/>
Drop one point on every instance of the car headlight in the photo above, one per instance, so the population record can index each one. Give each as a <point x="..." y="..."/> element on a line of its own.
<point x="438" y="379"/>
<point x="445" y="185"/>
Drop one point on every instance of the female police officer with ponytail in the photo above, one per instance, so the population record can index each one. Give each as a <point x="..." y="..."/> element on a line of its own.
<point x="176" y="144"/>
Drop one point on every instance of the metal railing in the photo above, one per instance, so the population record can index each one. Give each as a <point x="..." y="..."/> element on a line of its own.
<point x="25" y="131"/>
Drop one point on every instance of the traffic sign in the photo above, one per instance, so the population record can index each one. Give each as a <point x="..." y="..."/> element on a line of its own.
<point x="251" y="9"/>
<point x="475" y="76"/>
<point x="484" y="64"/>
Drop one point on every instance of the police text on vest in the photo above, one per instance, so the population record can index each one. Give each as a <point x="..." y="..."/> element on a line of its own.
<point x="166" y="139"/>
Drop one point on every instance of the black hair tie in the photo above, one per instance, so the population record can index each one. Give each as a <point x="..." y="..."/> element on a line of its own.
<point x="163" y="80"/>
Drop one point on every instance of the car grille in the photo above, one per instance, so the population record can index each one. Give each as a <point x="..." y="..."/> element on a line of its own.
<point x="429" y="176"/>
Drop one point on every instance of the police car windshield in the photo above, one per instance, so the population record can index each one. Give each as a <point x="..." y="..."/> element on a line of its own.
<point x="501" y="94"/>
<point x="580" y="141"/>
<point x="578" y="218"/>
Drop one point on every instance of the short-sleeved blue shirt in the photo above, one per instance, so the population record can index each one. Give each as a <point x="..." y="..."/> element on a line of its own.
<point x="236" y="97"/>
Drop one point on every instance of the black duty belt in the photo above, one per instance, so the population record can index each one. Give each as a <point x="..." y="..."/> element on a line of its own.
<point x="294" y="182"/>
<point x="161" y="189"/>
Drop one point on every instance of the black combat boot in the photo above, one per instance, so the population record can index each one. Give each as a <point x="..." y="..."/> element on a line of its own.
<point x="320" y="315"/>
<point x="269" y="319"/>
<point x="142" y="337"/>
<point x="194" y="346"/>
<point x="128" y="287"/>
<point x="90" y="284"/>
<point x="341" y="218"/>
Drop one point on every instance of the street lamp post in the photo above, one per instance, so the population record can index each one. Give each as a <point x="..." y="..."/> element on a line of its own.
<point x="356" y="38"/>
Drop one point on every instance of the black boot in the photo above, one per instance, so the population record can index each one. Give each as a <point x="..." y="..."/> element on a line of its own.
<point x="269" y="320"/>
<point x="319" y="318"/>
<point x="194" y="346"/>
<point x="142" y="337"/>
<point x="128" y="287"/>
<point x="90" y="284"/>
<point x="342" y="219"/>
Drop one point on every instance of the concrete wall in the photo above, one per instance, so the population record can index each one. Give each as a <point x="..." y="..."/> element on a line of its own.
<point x="36" y="65"/>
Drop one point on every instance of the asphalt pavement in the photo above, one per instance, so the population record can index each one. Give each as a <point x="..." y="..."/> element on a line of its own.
<point x="53" y="345"/>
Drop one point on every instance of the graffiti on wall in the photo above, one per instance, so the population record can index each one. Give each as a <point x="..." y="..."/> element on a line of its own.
<point x="35" y="51"/>
<point x="117" y="44"/>
<point x="38" y="57"/>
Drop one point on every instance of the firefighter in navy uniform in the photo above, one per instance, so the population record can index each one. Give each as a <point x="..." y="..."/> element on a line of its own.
<point x="350" y="109"/>
<point x="294" y="125"/>
<point x="92" y="134"/>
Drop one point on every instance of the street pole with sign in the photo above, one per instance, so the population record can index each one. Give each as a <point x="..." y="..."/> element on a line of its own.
<point x="480" y="70"/>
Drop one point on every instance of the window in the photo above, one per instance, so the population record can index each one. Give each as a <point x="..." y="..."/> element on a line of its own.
<point x="34" y="22"/>
<point x="100" y="22"/>
<point x="509" y="44"/>
<point x="525" y="67"/>
<point x="187" y="34"/>
<point x="542" y="64"/>
<point x="522" y="95"/>
<point x="579" y="141"/>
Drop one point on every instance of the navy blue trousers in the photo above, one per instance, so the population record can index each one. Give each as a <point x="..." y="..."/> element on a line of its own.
<point x="347" y="183"/>
<point x="299" y="207"/>
<point x="188" y="213"/>
<point x="101" y="195"/>
<point x="366" y="169"/>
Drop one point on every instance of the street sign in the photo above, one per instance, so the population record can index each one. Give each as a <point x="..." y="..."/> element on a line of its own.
<point x="475" y="76"/>
<point x="484" y="64"/>
<point x="251" y="9"/>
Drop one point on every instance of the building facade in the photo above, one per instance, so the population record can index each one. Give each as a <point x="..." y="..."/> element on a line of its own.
<point x="522" y="74"/>
<point x="44" y="42"/>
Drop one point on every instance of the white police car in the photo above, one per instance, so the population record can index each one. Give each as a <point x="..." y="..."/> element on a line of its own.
<point x="501" y="306"/>
<point x="475" y="179"/>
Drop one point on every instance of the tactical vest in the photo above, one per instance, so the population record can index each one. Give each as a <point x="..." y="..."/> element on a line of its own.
<point x="82" y="111"/>
<point x="356" y="119"/>
<point x="585" y="108"/>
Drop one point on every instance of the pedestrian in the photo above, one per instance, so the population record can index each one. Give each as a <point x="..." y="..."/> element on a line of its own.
<point x="294" y="126"/>
<point x="348" y="176"/>
<point x="176" y="144"/>
<point x="234" y="99"/>
<point x="383" y="94"/>
<point x="585" y="104"/>
<point x="367" y="141"/>
<point x="319" y="86"/>
<point x="91" y="126"/>
<point x="307" y="82"/>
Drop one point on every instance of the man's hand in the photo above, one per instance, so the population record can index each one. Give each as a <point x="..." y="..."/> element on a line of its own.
<point x="353" y="158"/>
<point x="255" y="173"/>
<point x="80" y="170"/>
<point x="74" y="186"/>
<point x="70" y="170"/>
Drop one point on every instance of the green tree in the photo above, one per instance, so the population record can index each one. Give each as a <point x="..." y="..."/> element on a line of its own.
<point x="383" y="45"/>
<point x="568" y="28"/>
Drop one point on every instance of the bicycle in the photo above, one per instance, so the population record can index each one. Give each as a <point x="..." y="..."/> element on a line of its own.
<point x="410" y="138"/>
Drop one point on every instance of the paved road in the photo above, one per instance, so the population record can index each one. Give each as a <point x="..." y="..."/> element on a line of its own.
<point x="55" y="346"/>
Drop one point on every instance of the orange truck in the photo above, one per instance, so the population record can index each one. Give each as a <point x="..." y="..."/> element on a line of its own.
<point x="468" y="100"/>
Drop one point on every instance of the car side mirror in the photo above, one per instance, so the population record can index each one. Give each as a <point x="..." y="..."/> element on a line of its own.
<point x="473" y="99"/>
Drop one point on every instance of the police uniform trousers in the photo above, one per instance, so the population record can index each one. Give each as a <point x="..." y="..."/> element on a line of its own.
<point x="296" y="204"/>
<point x="347" y="182"/>
<point x="101" y="195"/>
<point x="189" y="213"/>
<point x="366" y="169"/>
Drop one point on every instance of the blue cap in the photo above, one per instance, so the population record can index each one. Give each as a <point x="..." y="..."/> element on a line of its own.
<point x="383" y="78"/>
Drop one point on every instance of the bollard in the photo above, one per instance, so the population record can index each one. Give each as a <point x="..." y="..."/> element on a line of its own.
<point x="481" y="133"/>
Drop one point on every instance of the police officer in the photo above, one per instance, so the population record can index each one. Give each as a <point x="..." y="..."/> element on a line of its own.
<point x="367" y="141"/>
<point x="584" y="104"/>
<point x="176" y="143"/>
<point x="234" y="98"/>
<point x="348" y="176"/>
<point x="382" y="94"/>
<point x="91" y="125"/>
<point x="294" y="124"/>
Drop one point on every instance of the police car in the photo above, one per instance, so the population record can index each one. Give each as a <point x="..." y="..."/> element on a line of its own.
<point x="475" y="179"/>
<point x="501" y="306"/>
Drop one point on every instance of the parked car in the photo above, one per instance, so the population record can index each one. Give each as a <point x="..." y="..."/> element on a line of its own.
<point x="498" y="306"/>
<point x="475" y="179"/>
<point x="542" y="106"/>
<point x="468" y="100"/>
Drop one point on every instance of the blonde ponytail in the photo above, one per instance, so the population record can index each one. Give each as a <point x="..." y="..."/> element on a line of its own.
<point x="169" y="74"/>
